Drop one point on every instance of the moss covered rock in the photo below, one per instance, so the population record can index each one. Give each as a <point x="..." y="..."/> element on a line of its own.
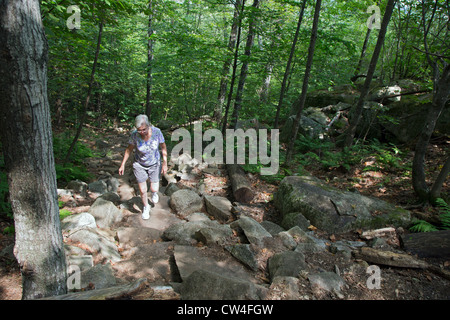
<point x="334" y="210"/>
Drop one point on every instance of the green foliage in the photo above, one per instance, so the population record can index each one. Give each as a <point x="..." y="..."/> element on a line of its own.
<point x="313" y="151"/>
<point x="9" y="230"/>
<point x="445" y="215"/>
<point x="387" y="157"/>
<point x="422" y="226"/>
<point x="63" y="213"/>
<point x="75" y="169"/>
<point x="444" y="218"/>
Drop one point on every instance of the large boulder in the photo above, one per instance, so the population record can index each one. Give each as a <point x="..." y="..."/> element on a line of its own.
<point x="206" y="231"/>
<point x="98" y="242"/>
<point x="410" y="114"/>
<point x="105" y="213"/>
<point x="334" y="210"/>
<point x="218" y="207"/>
<point x="254" y="232"/>
<point x="185" y="202"/>
<point x="286" y="264"/>
<point x="207" y="285"/>
<point x="78" y="221"/>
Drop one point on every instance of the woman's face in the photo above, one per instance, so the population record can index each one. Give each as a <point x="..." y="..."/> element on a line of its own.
<point x="143" y="130"/>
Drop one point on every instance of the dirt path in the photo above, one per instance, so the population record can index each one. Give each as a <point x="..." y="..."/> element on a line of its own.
<point x="145" y="255"/>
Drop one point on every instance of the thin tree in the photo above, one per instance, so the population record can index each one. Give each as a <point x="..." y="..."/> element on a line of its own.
<point x="356" y="115"/>
<point x="300" y="102"/>
<point x="441" y="94"/>
<point x="288" y="65"/>
<point x="148" y="104"/>
<point x="88" y="96"/>
<point x="233" y="77"/>
<point x="244" y="67"/>
<point x="227" y="63"/>
<point x="363" y="54"/>
<point x="26" y="134"/>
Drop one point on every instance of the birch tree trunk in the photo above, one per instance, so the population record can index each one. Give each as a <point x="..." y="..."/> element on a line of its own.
<point x="28" y="150"/>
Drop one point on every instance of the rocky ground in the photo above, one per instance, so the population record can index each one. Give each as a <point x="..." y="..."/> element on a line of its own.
<point x="175" y="259"/>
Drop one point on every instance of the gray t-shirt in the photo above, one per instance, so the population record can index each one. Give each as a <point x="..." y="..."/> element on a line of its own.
<point x="147" y="152"/>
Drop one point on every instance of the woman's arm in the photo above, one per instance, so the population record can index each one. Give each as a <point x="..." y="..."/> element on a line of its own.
<point x="164" y="155"/>
<point x="128" y="152"/>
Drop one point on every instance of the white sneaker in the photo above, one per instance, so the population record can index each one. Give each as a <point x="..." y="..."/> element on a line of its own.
<point x="155" y="197"/>
<point x="146" y="213"/>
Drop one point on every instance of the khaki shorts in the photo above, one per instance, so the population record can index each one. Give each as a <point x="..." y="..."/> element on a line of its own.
<point x="142" y="173"/>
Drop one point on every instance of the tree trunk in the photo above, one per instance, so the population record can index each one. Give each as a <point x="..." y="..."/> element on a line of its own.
<point x="233" y="77"/>
<point x="88" y="97"/>
<point x="226" y="65"/>
<point x="363" y="52"/>
<point x="356" y="116"/>
<point x="434" y="244"/>
<point x="241" y="187"/>
<point x="265" y="88"/>
<point x="437" y="185"/>
<point x="148" y="105"/>
<point x="28" y="149"/>
<point x="244" y="68"/>
<point x="441" y="94"/>
<point x="440" y="98"/>
<point x="288" y="65"/>
<point x="300" y="103"/>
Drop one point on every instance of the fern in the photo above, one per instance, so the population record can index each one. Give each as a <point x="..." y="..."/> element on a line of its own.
<point x="422" y="226"/>
<point x="444" y="217"/>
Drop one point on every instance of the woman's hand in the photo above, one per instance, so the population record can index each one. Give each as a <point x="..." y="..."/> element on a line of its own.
<point x="164" y="168"/>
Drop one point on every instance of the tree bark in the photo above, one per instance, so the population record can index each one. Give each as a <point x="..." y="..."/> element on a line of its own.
<point x="288" y="65"/>
<point x="233" y="77"/>
<point x="242" y="190"/>
<point x="441" y="96"/>
<point x="300" y="103"/>
<point x="28" y="149"/>
<point x="356" y="116"/>
<point x="226" y="65"/>
<point x="244" y="68"/>
<point x="434" y="244"/>
<point x="88" y="96"/>
<point x="363" y="53"/>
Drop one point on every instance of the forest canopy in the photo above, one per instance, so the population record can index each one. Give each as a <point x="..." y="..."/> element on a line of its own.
<point x="190" y="43"/>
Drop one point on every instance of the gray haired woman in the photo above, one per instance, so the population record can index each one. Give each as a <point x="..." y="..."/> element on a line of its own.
<point x="147" y="140"/>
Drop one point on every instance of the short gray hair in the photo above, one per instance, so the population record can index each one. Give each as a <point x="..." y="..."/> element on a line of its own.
<point x="140" y="120"/>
